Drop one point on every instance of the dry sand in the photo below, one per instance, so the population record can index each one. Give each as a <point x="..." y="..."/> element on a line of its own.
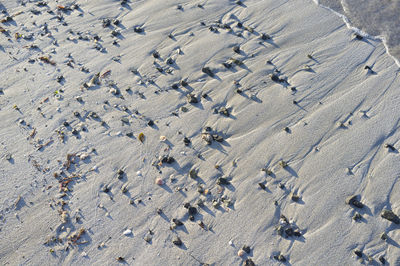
<point x="274" y="145"/>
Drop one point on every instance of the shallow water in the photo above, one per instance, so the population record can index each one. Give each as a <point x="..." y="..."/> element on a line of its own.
<point x="379" y="18"/>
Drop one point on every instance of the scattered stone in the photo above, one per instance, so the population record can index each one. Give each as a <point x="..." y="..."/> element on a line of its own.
<point x="193" y="173"/>
<point x="191" y="98"/>
<point x="224" y="111"/>
<point x="295" y="197"/>
<point x="265" y="36"/>
<point x="390" y="147"/>
<point x="353" y="200"/>
<point x="208" y="71"/>
<point x="177" y="241"/>
<point x="283" y="164"/>
<point x="177" y="222"/>
<point x="390" y="216"/>
<point x="280" y="258"/>
<point x="159" y="181"/>
<point x="186" y="141"/>
<point x="246" y="249"/>
<point x="358" y="253"/>
<point x="223" y="181"/>
<point x="192" y="210"/>
<point x="384" y="236"/>
<point x="357" y="217"/>
<point x="207" y="138"/>
<point x="249" y="262"/>
<point x="241" y="253"/>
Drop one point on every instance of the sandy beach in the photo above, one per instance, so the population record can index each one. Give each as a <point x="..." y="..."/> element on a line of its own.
<point x="199" y="132"/>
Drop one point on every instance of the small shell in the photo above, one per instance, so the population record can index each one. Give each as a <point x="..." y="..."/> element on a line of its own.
<point x="159" y="181"/>
<point x="141" y="137"/>
<point x="241" y="253"/>
<point x="163" y="138"/>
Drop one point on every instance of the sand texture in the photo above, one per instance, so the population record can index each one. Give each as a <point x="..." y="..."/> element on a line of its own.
<point x="212" y="132"/>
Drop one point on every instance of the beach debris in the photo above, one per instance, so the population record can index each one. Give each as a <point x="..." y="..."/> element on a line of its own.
<point x="95" y="80"/>
<point x="283" y="164"/>
<point x="159" y="181"/>
<point x="382" y="259"/>
<point x="357" y="217"/>
<point x="120" y="259"/>
<point x="141" y="137"/>
<point x="177" y="222"/>
<point x="127" y="232"/>
<point x="353" y="200"/>
<point x="191" y="98"/>
<point x="390" y="216"/>
<point x="280" y="257"/>
<point x="208" y="71"/>
<point x="390" y="147"/>
<point x="224" y="111"/>
<point x="47" y="60"/>
<point x="177" y="241"/>
<point x="207" y="137"/>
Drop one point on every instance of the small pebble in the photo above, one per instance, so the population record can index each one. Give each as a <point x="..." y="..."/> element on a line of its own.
<point x="127" y="232"/>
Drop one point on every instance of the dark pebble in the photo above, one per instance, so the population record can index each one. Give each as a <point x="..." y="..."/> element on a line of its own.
<point x="227" y="65"/>
<point x="246" y="249"/>
<point x="177" y="222"/>
<point x="150" y="123"/>
<point x="192" y="210"/>
<point x="191" y="98"/>
<point x="262" y="186"/>
<point x="275" y="78"/>
<point x="223" y="181"/>
<point x="138" y="29"/>
<point x="265" y="37"/>
<point x="156" y="54"/>
<point x="236" y="49"/>
<point x="66" y="124"/>
<point x="390" y="216"/>
<point x="186" y="141"/>
<point x="177" y="241"/>
<point x="208" y="71"/>
<point x="382" y="259"/>
<point x="358" y="252"/>
<point x="249" y="262"/>
<point x="353" y="200"/>
<point x="184" y="83"/>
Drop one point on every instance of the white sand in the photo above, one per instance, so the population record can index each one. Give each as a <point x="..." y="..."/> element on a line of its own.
<point x="337" y="90"/>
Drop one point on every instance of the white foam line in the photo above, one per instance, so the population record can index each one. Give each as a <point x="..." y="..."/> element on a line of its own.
<point x="360" y="32"/>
